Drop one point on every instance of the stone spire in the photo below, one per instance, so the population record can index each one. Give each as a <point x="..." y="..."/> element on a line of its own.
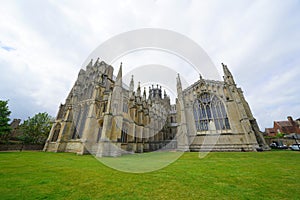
<point x="144" y="94"/>
<point x="159" y="92"/>
<point x="200" y="76"/>
<point x="179" y="86"/>
<point x="119" y="76"/>
<point x="226" y="70"/>
<point x="165" y="94"/>
<point x="182" y="139"/>
<point x="150" y="93"/>
<point x="138" y="90"/>
<point x="228" y="78"/>
<point x="97" y="62"/>
<point x="131" y="85"/>
<point x="90" y="64"/>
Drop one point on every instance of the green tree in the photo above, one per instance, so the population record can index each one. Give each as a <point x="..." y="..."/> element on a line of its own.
<point x="4" y="119"/>
<point x="280" y="135"/>
<point x="36" y="129"/>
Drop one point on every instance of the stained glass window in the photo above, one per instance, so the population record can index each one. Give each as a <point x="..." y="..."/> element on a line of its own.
<point x="210" y="113"/>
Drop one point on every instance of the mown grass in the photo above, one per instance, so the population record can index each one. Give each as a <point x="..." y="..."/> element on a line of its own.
<point x="41" y="175"/>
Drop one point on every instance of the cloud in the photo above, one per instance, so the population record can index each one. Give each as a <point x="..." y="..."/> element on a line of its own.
<point x="44" y="43"/>
<point x="6" y="48"/>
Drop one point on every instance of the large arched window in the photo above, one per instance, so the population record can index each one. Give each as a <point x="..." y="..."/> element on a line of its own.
<point x="81" y="123"/>
<point x="56" y="132"/>
<point x="124" y="133"/>
<point x="99" y="132"/>
<point x="210" y="113"/>
<point x="77" y="115"/>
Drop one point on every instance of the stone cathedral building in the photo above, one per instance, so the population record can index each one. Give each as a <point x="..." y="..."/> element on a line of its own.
<point x="105" y="117"/>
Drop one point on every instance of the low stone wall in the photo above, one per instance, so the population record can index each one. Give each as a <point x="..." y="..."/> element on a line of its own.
<point x="222" y="143"/>
<point x="285" y="141"/>
<point x="19" y="147"/>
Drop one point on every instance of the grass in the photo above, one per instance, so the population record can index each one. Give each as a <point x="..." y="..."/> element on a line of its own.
<point x="41" y="175"/>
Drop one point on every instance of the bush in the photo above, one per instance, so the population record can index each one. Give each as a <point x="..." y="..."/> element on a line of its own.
<point x="36" y="129"/>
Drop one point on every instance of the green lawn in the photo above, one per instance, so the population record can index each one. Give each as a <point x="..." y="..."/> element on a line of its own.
<point x="40" y="175"/>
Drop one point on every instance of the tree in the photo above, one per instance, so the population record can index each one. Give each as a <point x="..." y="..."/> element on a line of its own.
<point x="4" y="119"/>
<point x="280" y="135"/>
<point x="36" y="129"/>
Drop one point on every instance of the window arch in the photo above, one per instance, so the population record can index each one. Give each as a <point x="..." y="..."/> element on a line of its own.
<point x="90" y="91"/>
<point x="56" y="132"/>
<point x="125" y="106"/>
<point x="172" y="119"/>
<point x="124" y="132"/>
<point x="210" y="114"/>
<point x="81" y="123"/>
<point x="100" y="132"/>
<point x="77" y="115"/>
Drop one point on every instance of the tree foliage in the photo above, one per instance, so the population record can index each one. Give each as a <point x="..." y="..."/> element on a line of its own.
<point x="280" y="135"/>
<point x="4" y="119"/>
<point x="36" y="129"/>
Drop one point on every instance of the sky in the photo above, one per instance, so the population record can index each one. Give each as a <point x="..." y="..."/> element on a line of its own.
<point x="43" y="45"/>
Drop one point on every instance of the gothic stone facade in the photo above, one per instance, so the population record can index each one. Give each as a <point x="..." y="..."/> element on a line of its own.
<point x="104" y="117"/>
<point x="214" y="116"/>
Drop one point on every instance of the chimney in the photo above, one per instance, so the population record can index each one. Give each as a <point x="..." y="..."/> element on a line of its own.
<point x="290" y="119"/>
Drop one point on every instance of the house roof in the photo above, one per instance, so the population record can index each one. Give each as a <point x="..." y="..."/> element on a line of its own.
<point x="284" y="123"/>
<point x="269" y="129"/>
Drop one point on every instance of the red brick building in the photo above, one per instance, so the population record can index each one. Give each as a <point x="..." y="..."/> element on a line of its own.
<point x="286" y="127"/>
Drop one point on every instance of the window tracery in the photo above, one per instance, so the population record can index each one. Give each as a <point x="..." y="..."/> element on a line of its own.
<point x="210" y="113"/>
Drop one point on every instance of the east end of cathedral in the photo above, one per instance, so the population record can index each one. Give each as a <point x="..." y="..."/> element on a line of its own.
<point x="104" y="117"/>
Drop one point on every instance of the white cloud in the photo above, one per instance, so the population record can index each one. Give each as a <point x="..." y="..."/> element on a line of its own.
<point x="258" y="40"/>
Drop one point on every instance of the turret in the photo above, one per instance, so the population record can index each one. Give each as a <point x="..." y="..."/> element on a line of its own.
<point x="150" y="92"/>
<point x="97" y="62"/>
<point x="131" y="85"/>
<point x="144" y="95"/>
<point x="159" y="92"/>
<point x="182" y="139"/>
<point x="155" y="92"/>
<point x="119" y="77"/>
<point x="200" y="76"/>
<point x="228" y="78"/>
<point x="179" y="86"/>
<point x="89" y="65"/>
<point x="81" y="75"/>
<point x="138" y="90"/>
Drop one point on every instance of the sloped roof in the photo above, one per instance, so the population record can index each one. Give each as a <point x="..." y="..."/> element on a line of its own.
<point x="284" y="123"/>
<point x="270" y="129"/>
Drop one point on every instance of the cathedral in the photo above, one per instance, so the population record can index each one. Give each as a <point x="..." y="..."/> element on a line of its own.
<point x="105" y="117"/>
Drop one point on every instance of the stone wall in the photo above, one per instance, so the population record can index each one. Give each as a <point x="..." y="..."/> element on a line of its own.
<point x="286" y="141"/>
<point x="223" y="142"/>
<point x="19" y="147"/>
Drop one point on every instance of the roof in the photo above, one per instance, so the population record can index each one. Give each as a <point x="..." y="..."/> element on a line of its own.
<point x="206" y="81"/>
<point x="284" y="123"/>
<point x="270" y="130"/>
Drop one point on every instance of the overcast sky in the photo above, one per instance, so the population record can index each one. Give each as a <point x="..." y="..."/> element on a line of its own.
<point x="44" y="43"/>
